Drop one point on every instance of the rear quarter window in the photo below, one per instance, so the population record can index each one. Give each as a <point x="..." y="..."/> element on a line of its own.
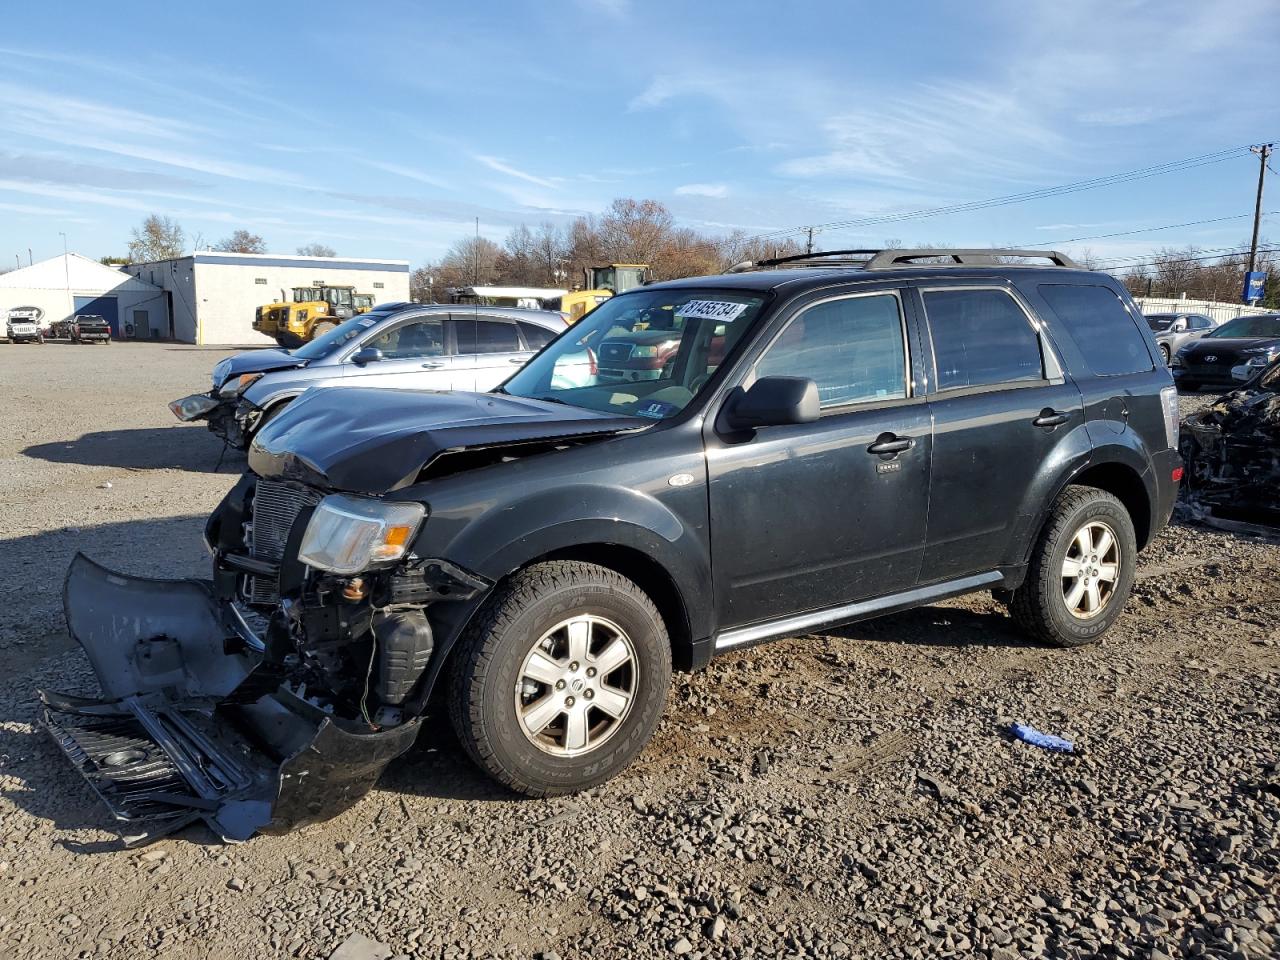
<point x="1102" y="329"/>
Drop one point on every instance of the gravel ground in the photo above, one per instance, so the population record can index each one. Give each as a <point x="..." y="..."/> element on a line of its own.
<point x="851" y="795"/>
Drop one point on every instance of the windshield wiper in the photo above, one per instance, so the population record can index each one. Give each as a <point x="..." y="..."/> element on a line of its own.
<point x="563" y="403"/>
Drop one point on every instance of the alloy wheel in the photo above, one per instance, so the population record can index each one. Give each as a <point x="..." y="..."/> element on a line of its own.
<point x="576" y="686"/>
<point x="1091" y="570"/>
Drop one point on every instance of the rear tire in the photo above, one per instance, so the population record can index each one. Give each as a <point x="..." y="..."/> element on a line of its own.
<point x="1081" y="570"/>
<point x="527" y="667"/>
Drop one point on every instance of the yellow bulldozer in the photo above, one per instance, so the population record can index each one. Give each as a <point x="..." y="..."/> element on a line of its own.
<point x="600" y="284"/>
<point x="310" y="313"/>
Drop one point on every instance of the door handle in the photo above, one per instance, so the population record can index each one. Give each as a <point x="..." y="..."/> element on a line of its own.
<point x="890" y="443"/>
<point x="433" y="365"/>
<point x="1050" y="418"/>
<point x="516" y="359"/>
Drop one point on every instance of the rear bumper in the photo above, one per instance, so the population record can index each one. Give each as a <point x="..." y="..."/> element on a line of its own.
<point x="192" y="724"/>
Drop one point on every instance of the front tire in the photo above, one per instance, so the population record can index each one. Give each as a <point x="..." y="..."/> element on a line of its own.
<point x="561" y="679"/>
<point x="320" y="329"/>
<point x="1164" y="352"/>
<point x="1081" y="570"/>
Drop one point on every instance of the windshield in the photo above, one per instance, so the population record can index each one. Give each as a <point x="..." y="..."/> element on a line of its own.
<point x="1267" y="325"/>
<point x="646" y="353"/>
<point x="305" y="294"/>
<point x="1159" y="321"/>
<point x="339" y="336"/>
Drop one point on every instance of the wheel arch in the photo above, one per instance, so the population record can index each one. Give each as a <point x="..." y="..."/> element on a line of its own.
<point x="1119" y="473"/>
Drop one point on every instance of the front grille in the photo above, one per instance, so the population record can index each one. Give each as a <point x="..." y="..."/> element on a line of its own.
<point x="276" y="505"/>
<point x="615" y="352"/>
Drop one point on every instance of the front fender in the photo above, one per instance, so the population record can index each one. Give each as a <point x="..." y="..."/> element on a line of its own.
<point x="504" y="539"/>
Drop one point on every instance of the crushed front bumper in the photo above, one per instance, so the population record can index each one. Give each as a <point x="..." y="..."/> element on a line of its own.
<point x="228" y="418"/>
<point x="192" y="725"/>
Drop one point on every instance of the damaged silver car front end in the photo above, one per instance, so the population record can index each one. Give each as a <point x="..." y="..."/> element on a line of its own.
<point x="194" y="722"/>
<point x="1232" y="454"/>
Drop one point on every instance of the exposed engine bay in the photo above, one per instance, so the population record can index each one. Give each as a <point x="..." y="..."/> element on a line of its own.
<point x="270" y="697"/>
<point x="1232" y="453"/>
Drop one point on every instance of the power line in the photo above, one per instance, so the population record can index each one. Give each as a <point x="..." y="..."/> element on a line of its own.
<point x="1126" y="233"/>
<point x="1197" y="259"/>
<point x="1142" y="173"/>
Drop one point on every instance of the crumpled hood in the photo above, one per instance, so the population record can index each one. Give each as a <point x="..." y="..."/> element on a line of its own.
<point x="254" y="361"/>
<point x="369" y="440"/>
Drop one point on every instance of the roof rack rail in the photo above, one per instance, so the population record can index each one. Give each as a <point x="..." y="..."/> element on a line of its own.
<point x="799" y="258"/>
<point x="889" y="259"/>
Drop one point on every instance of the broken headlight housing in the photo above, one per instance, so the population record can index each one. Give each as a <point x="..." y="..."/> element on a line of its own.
<point x="349" y="534"/>
<point x="238" y="385"/>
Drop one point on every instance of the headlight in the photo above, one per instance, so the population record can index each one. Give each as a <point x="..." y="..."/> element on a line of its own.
<point x="1177" y="359"/>
<point x="1261" y="356"/>
<point x="233" y="388"/>
<point x="644" y="351"/>
<point x="350" y="534"/>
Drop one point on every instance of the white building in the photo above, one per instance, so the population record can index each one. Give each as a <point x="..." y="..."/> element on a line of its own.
<point x="63" y="286"/>
<point x="214" y="295"/>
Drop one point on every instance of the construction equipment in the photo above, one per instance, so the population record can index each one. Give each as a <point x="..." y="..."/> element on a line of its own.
<point x="311" y="312"/>
<point x="601" y="283"/>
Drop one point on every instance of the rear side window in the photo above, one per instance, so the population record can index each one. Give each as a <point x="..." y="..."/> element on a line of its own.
<point x="486" y="335"/>
<point x="535" y="336"/>
<point x="1101" y="327"/>
<point x="851" y="348"/>
<point x="981" y="338"/>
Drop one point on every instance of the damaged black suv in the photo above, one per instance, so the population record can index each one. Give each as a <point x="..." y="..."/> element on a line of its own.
<point x="815" y="442"/>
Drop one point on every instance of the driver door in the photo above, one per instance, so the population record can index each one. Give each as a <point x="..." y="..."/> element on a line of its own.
<point x="414" y="357"/>
<point x="806" y="516"/>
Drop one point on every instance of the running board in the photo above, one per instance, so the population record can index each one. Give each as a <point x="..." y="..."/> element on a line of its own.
<point x="802" y="623"/>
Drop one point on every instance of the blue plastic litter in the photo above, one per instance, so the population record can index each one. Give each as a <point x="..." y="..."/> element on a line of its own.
<point x="1046" y="741"/>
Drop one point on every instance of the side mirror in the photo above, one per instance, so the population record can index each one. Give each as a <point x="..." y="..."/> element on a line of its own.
<point x="1179" y="326"/>
<point x="773" y="402"/>
<point x="366" y="355"/>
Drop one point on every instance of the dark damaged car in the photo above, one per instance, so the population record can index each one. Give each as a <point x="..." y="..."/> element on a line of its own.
<point x="819" y="445"/>
<point x="1229" y="354"/>
<point x="1232" y="451"/>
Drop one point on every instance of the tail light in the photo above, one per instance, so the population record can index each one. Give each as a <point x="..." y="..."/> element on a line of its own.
<point x="1172" y="419"/>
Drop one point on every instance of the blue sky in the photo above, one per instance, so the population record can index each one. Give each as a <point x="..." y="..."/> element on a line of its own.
<point x="383" y="129"/>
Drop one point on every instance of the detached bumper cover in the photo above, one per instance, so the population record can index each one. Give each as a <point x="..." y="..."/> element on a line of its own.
<point x="191" y="726"/>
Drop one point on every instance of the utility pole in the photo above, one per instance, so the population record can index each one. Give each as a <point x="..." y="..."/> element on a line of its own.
<point x="808" y="247"/>
<point x="1264" y="153"/>
<point x="30" y="261"/>
<point x="66" y="273"/>
<point x="475" y="271"/>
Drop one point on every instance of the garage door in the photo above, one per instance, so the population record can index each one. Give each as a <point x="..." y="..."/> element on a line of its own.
<point x="105" y="307"/>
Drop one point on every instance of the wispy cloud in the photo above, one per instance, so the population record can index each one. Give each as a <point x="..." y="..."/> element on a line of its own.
<point x="501" y="166"/>
<point x="409" y="173"/>
<point x="717" y="190"/>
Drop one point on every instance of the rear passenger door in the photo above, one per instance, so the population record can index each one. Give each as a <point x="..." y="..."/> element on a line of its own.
<point x="1001" y="406"/>
<point x="493" y="347"/>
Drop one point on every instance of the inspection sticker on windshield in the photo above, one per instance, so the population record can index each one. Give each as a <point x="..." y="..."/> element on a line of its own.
<point x="723" y="310"/>
<point x="658" y="409"/>
<point x="368" y="321"/>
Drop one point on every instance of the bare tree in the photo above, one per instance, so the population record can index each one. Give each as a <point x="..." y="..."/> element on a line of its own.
<point x="469" y="262"/>
<point x="159" y="238"/>
<point x="316" y="250"/>
<point x="422" y="283"/>
<point x="242" y="241"/>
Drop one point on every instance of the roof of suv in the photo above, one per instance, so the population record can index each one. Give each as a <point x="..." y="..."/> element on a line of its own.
<point x="808" y="270"/>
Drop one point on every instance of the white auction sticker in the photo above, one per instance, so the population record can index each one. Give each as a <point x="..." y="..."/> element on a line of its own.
<point x="723" y="310"/>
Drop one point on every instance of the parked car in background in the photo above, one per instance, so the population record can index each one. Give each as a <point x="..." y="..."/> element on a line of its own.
<point x="84" y="328"/>
<point x="25" y="325"/>
<point x="399" y="345"/>
<point x="537" y="558"/>
<point x="1229" y="354"/>
<point x="22" y="325"/>
<point x="1175" y="330"/>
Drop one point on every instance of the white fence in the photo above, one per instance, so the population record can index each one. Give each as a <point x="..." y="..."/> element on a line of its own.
<point x="1215" y="310"/>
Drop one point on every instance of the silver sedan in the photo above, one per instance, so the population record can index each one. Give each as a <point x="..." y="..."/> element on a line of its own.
<point x="402" y="345"/>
